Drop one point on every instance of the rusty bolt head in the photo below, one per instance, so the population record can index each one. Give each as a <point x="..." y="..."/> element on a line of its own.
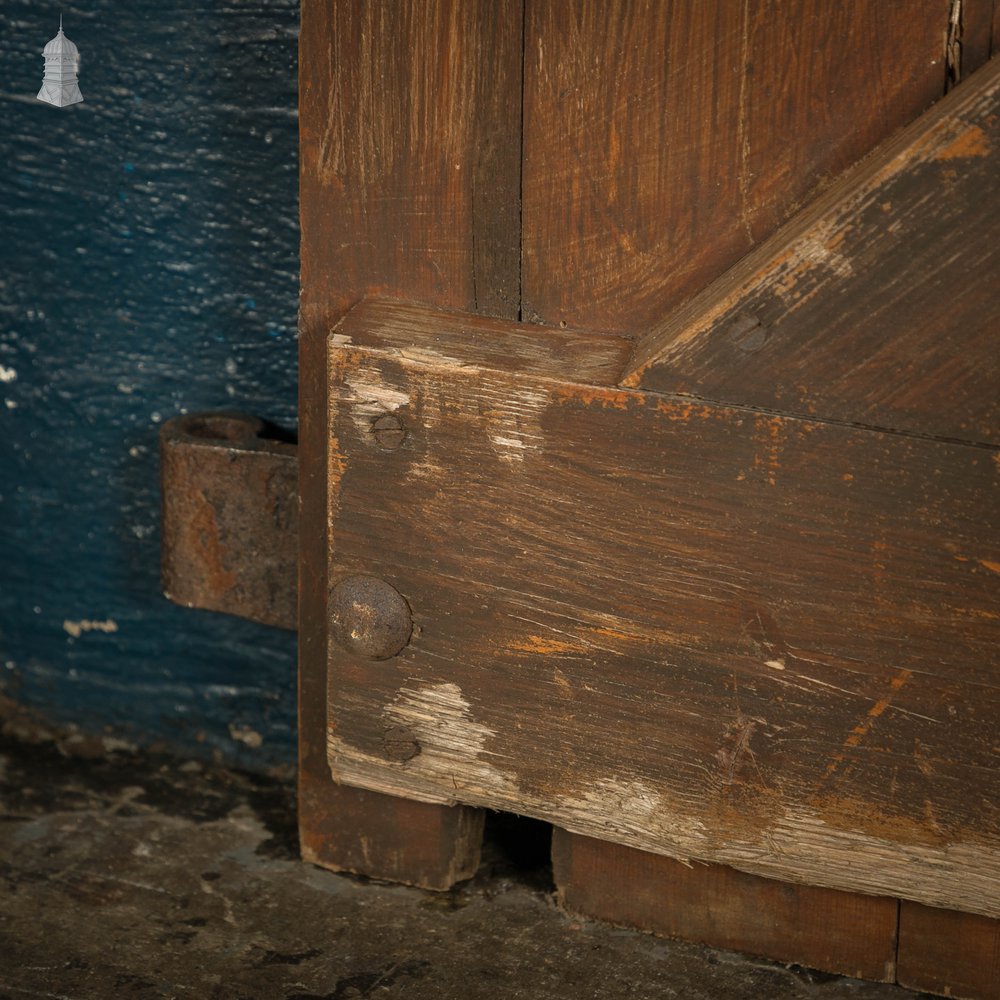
<point x="369" y="618"/>
<point x="400" y="744"/>
<point x="747" y="333"/>
<point x="389" y="431"/>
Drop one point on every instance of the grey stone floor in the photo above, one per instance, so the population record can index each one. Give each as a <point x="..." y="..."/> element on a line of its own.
<point x="142" y="875"/>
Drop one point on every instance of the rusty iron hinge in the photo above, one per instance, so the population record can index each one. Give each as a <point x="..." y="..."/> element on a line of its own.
<point x="229" y="495"/>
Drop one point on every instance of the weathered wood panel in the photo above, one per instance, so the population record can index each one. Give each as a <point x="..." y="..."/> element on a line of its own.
<point x="697" y="630"/>
<point x="394" y="838"/>
<point x="954" y="954"/>
<point x="412" y="332"/>
<point x="663" y="141"/>
<point x="410" y="149"/>
<point x="878" y="304"/>
<point x="840" y="932"/>
<point x="410" y="172"/>
<point x="977" y="24"/>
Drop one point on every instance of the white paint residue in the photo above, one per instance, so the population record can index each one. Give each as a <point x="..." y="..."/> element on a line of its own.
<point x="427" y="356"/>
<point x="503" y="444"/>
<point x="426" y="470"/>
<point x="370" y="400"/>
<point x="246" y="735"/>
<point x="451" y="741"/>
<point x="630" y="808"/>
<point x="7" y="374"/>
<point x="819" y="249"/>
<point x="515" y="428"/>
<point x="453" y="764"/>
<point x="383" y="397"/>
<point x="76" y="629"/>
<point x="639" y="812"/>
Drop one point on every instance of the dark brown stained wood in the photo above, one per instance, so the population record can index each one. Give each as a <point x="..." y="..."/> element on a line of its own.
<point x="840" y="932"/>
<point x="415" y="843"/>
<point x="954" y="954"/>
<point x="410" y="147"/>
<point x="696" y="630"/>
<point x="663" y="141"/>
<point x="409" y="183"/>
<point x="878" y="304"/>
<point x="977" y="21"/>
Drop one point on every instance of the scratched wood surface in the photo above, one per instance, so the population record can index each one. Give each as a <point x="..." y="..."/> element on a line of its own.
<point x="843" y="932"/>
<point x="663" y="141"/>
<point x="877" y="304"/>
<point x="697" y="630"/>
<point x="410" y="145"/>
<point x="411" y="139"/>
<point x="409" y="176"/>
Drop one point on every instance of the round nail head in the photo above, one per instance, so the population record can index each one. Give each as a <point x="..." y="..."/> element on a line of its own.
<point x="369" y="617"/>
<point x="389" y="431"/>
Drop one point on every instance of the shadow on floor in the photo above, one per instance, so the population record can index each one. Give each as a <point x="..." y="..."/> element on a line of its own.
<point x="131" y="874"/>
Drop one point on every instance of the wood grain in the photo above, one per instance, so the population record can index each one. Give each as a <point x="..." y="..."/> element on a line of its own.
<point x="697" y="630"/>
<point x="409" y="183"/>
<point x="394" y="838"/>
<point x="877" y="304"/>
<point x="409" y="331"/>
<point x="976" y="37"/>
<point x="410" y="145"/>
<point x="840" y="932"/>
<point x="663" y="141"/>
<point x="954" y="954"/>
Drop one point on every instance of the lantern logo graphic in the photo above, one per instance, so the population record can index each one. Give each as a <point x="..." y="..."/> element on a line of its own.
<point x="62" y="63"/>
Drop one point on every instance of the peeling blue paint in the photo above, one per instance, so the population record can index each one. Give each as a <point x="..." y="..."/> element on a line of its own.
<point x="150" y="237"/>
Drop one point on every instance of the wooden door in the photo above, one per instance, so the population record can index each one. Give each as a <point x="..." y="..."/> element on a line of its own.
<point x="774" y="451"/>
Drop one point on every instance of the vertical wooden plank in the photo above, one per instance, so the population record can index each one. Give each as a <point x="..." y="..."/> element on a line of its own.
<point x="410" y="149"/>
<point x="977" y="23"/>
<point x="355" y="830"/>
<point x="643" y="184"/>
<point x="947" y="952"/>
<point x="400" y="194"/>
<point x="495" y="138"/>
<point x="840" y="932"/>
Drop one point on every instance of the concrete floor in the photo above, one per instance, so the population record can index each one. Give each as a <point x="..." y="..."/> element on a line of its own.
<point x="141" y="875"/>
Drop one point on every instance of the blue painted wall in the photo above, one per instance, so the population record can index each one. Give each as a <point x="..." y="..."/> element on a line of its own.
<point x="148" y="267"/>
